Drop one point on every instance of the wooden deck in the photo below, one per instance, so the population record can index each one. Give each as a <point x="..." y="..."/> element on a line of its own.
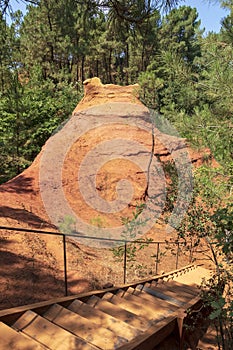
<point x="134" y="316"/>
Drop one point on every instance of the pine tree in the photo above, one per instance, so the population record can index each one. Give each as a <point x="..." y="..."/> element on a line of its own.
<point x="227" y="23"/>
<point x="173" y="69"/>
<point x="179" y="33"/>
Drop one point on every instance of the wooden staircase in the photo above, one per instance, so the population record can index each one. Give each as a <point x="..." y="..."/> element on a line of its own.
<point x="134" y="316"/>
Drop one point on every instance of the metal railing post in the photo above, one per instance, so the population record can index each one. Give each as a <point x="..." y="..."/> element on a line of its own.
<point x="125" y="261"/>
<point x="65" y="264"/>
<point x="157" y="259"/>
<point x="191" y="253"/>
<point x="177" y="254"/>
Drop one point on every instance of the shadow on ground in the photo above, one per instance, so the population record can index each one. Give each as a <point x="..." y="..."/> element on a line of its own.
<point x="25" y="280"/>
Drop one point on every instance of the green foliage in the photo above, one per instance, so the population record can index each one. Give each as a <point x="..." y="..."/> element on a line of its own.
<point x="217" y="296"/>
<point x="198" y="224"/>
<point x="98" y="222"/>
<point x="210" y="217"/>
<point x="150" y="86"/>
<point x="67" y="225"/>
<point x="171" y="74"/>
<point x="227" y="22"/>
<point x="179" y="31"/>
<point x="133" y="226"/>
<point x="204" y="129"/>
<point x="59" y="43"/>
<point x="29" y="113"/>
<point x="211" y="185"/>
<point x="223" y="220"/>
<point x="216" y="82"/>
<point x="217" y="306"/>
<point x="171" y="175"/>
<point x="131" y="11"/>
<point x="132" y="229"/>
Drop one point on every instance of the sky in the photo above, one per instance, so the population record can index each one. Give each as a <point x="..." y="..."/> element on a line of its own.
<point x="209" y="14"/>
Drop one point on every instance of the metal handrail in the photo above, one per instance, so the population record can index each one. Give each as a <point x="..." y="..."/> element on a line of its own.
<point x="123" y="241"/>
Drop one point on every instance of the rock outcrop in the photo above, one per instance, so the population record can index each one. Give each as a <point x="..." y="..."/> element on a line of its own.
<point x="105" y="161"/>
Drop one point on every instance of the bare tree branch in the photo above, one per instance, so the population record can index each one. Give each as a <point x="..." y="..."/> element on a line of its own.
<point x="131" y="11"/>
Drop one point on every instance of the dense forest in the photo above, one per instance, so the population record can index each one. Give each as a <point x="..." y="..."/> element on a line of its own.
<point x="184" y="75"/>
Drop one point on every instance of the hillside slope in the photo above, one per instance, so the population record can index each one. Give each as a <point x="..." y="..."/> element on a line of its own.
<point x="83" y="173"/>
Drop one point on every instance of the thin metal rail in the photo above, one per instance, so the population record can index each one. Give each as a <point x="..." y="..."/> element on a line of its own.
<point x="122" y="242"/>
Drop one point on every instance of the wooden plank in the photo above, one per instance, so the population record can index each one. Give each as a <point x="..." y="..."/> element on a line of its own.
<point x="9" y="316"/>
<point x="48" y="334"/>
<point x="161" y="295"/>
<point x="159" y="331"/>
<point x="162" y="287"/>
<point x="119" y="313"/>
<point x="176" y="286"/>
<point x="191" y="304"/>
<point x="161" y="305"/>
<point x="133" y="304"/>
<point x="85" y="329"/>
<point x="11" y="339"/>
<point x="194" y="277"/>
<point x="104" y="320"/>
<point x="153" y="336"/>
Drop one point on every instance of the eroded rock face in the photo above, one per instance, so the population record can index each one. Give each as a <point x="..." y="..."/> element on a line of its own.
<point x="99" y="167"/>
<point x="95" y="93"/>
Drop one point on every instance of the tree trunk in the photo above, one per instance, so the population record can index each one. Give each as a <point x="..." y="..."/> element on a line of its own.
<point x="83" y="68"/>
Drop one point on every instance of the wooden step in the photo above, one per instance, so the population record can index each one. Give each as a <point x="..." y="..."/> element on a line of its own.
<point x="103" y="319"/>
<point x="134" y="304"/>
<point x="120" y="313"/>
<point x="138" y="316"/>
<point x="177" y="287"/>
<point x="48" y="334"/>
<point x="161" y="305"/>
<point x="160" y="294"/>
<point x="151" y="339"/>
<point x="182" y="296"/>
<point x="83" y="328"/>
<point x="194" y="277"/>
<point x="12" y="340"/>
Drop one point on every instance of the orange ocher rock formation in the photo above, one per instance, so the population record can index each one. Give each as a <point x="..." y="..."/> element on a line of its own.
<point x="96" y="93"/>
<point x="20" y="198"/>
